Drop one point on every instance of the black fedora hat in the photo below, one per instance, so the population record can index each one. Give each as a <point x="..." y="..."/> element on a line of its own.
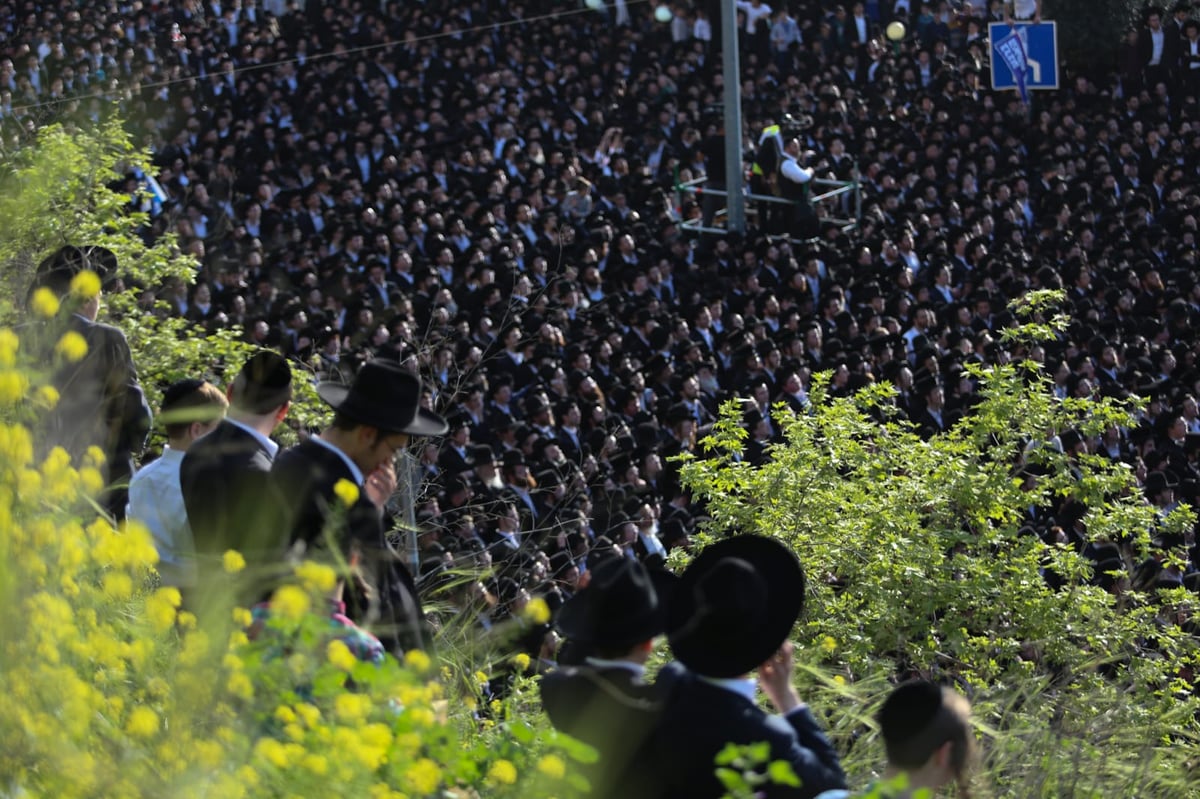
<point x="735" y="605"/>
<point x="386" y="396"/>
<point x="1157" y="482"/>
<point x="624" y="604"/>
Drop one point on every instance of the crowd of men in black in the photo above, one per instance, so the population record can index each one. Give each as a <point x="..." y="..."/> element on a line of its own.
<point x="485" y="191"/>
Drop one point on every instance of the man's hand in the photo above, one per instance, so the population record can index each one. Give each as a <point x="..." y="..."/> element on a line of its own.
<point x="775" y="677"/>
<point x="381" y="484"/>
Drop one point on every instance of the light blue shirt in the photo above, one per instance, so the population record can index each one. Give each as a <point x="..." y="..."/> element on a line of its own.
<point x="156" y="500"/>
<point x="747" y="688"/>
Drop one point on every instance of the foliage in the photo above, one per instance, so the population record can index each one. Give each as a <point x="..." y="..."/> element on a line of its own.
<point x="68" y="187"/>
<point x="116" y="689"/>
<point x="917" y="562"/>
<point x="1091" y="31"/>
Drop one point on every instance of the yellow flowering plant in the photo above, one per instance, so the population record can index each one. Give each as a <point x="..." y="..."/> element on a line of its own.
<point x="116" y="688"/>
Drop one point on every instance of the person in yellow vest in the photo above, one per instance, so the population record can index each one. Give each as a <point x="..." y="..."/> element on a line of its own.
<point x="777" y="172"/>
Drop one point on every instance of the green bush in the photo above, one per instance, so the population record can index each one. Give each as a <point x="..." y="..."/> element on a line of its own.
<point x="917" y="563"/>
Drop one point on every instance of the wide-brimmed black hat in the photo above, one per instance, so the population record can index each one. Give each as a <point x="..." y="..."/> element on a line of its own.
<point x="735" y="605"/>
<point x="386" y="396"/>
<point x="624" y="604"/>
<point x="1157" y="482"/>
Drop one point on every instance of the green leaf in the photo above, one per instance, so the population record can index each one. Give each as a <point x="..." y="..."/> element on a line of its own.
<point x="781" y="772"/>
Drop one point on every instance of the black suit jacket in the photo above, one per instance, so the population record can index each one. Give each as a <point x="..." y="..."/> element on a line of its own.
<point x="302" y="483"/>
<point x="701" y="718"/>
<point x="614" y="711"/>
<point x="100" y="403"/>
<point x="224" y="481"/>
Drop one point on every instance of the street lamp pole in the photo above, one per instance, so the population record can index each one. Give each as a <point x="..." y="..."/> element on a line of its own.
<point x="731" y="71"/>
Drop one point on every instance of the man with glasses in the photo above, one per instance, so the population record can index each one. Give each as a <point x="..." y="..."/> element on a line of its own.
<point x="332" y="489"/>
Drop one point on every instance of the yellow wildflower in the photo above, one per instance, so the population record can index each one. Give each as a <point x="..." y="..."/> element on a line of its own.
<point x="47" y="396"/>
<point x="271" y="751"/>
<point x="29" y="483"/>
<point x="248" y="776"/>
<point x="9" y="344"/>
<point x="521" y="661"/>
<point x="552" y="766"/>
<point x="117" y="585"/>
<point x="340" y="656"/>
<point x="421" y="717"/>
<point x="351" y="707"/>
<point x="12" y="386"/>
<point x="377" y="735"/>
<point x="424" y="776"/>
<point x="317" y="576"/>
<point x="72" y="347"/>
<point x="94" y="456"/>
<point x="346" y="491"/>
<point x="44" y="303"/>
<point x="239" y="685"/>
<point x="242" y="617"/>
<point x="161" y="607"/>
<point x="537" y="611"/>
<point x="142" y="722"/>
<point x="86" y="284"/>
<point x="417" y="660"/>
<point x="502" y="772"/>
<point x="839" y="679"/>
<point x="829" y="645"/>
<point x="315" y="763"/>
<point x="90" y="480"/>
<point x="290" y="602"/>
<point x="16" y="445"/>
<point x="207" y="753"/>
<point x="232" y="561"/>
<point x="310" y="714"/>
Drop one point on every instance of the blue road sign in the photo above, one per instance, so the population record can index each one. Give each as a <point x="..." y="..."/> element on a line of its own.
<point x="1039" y="44"/>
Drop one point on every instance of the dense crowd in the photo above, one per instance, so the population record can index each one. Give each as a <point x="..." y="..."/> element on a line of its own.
<point x="486" y="194"/>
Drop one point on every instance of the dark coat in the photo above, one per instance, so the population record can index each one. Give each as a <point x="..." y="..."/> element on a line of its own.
<point x="614" y="711"/>
<point x="224" y="480"/>
<point x="302" y="481"/>
<point x="701" y="718"/>
<point x="100" y="403"/>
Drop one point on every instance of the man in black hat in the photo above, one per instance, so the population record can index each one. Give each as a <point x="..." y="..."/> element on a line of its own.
<point x="100" y="399"/>
<point x="605" y="702"/>
<point x="374" y="419"/>
<point x="732" y="613"/>
<point x="224" y="474"/>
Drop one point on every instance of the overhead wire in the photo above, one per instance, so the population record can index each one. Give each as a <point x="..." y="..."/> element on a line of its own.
<point x="570" y="12"/>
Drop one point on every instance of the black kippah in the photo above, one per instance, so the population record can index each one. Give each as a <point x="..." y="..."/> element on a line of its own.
<point x="264" y="383"/>
<point x="911" y="707"/>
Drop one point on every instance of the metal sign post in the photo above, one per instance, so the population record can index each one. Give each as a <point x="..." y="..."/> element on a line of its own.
<point x="731" y="71"/>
